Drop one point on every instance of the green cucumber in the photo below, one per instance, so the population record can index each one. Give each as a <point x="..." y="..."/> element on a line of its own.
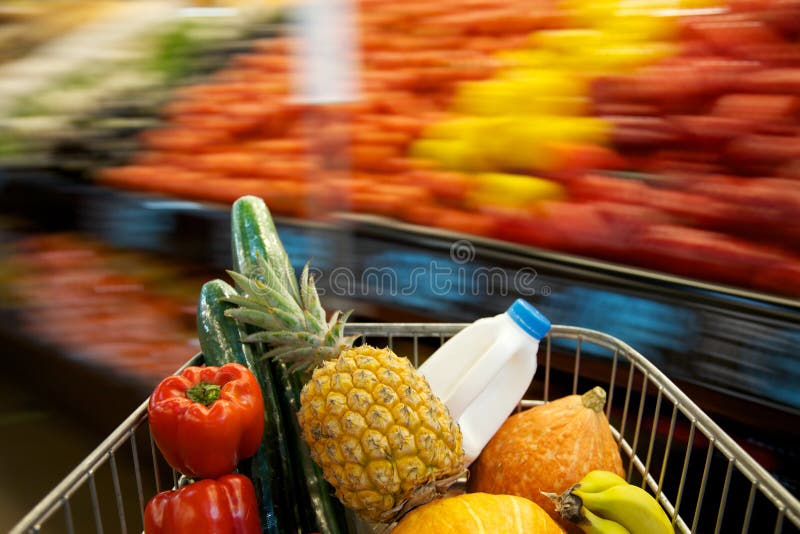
<point x="327" y="514"/>
<point x="275" y="448"/>
<point x="256" y="245"/>
<point x="220" y="341"/>
<point x="254" y="237"/>
<point x="255" y="242"/>
<point x="220" y="336"/>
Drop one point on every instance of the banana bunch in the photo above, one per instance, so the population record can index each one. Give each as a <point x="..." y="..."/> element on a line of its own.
<point x="603" y="503"/>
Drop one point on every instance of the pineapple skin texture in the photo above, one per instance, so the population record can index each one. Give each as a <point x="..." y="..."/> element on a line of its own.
<point x="377" y="430"/>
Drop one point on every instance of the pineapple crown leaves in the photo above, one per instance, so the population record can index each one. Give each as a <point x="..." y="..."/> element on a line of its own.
<point x="277" y="273"/>
<point x="309" y="298"/>
<point x="275" y="270"/>
<point x="286" y="317"/>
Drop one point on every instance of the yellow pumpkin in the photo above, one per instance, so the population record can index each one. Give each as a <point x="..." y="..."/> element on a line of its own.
<point x="548" y="448"/>
<point x="478" y="513"/>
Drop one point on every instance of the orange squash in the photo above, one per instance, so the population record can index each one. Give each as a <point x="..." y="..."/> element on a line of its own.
<point x="548" y="448"/>
<point x="478" y="513"/>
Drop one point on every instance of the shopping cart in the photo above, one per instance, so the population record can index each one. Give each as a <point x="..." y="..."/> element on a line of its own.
<point x="704" y="480"/>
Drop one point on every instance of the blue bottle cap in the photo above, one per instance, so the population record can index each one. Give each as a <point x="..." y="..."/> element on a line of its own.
<point x="529" y="318"/>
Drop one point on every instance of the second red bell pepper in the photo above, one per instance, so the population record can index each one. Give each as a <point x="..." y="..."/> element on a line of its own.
<point x="205" y="419"/>
<point x="223" y="506"/>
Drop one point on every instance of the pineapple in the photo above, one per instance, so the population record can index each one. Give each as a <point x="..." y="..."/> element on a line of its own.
<point x="384" y="441"/>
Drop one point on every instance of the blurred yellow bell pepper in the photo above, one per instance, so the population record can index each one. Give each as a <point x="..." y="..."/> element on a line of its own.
<point x="510" y="190"/>
<point x="530" y="59"/>
<point x="517" y="92"/>
<point x="506" y="142"/>
<point x="566" y="41"/>
<point x="452" y="154"/>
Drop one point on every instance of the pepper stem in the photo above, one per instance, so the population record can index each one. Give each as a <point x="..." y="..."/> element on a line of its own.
<point x="203" y="392"/>
<point x="595" y="398"/>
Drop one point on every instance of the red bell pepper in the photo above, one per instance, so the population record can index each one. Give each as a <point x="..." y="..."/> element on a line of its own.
<point x="223" y="506"/>
<point x="205" y="419"/>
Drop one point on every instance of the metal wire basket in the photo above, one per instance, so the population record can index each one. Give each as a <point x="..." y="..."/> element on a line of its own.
<point x="704" y="480"/>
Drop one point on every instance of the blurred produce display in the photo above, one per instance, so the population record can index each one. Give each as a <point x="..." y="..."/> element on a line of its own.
<point x="655" y="133"/>
<point x="120" y="311"/>
<point x="242" y="132"/>
<point x="26" y="24"/>
<point x="111" y="73"/>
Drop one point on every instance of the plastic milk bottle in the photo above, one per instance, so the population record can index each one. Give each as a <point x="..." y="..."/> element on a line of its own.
<point x="483" y="372"/>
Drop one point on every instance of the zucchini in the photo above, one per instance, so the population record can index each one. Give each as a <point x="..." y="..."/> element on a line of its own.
<point x="220" y="341"/>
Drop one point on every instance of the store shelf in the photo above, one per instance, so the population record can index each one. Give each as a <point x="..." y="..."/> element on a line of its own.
<point x="735" y="341"/>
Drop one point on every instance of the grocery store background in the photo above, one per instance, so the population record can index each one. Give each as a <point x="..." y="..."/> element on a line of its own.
<point x="629" y="166"/>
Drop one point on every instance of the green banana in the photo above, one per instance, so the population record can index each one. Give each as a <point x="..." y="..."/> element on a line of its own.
<point x="630" y="506"/>
<point x="604" y="503"/>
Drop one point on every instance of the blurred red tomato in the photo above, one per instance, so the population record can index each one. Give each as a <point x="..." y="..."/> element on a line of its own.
<point x="702" y="254"/>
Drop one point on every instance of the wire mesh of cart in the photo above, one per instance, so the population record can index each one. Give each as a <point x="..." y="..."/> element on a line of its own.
<point x="705" y="481"/>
